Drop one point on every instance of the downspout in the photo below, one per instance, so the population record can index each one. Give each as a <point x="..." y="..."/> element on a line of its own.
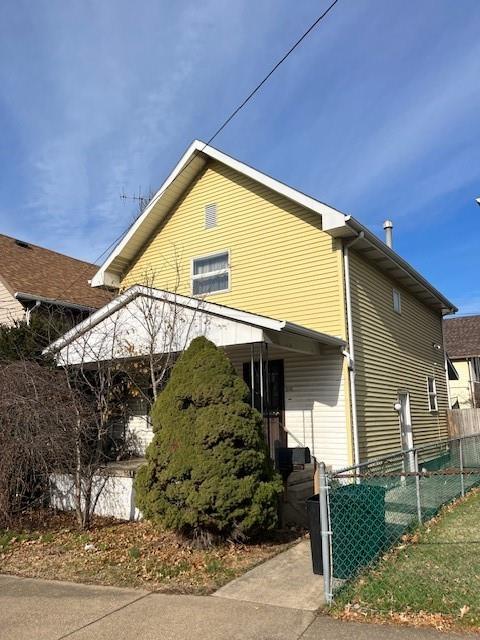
<point x="351" y="349"/>
<point x="445" y="364"/>
<point x="28" y="312"/>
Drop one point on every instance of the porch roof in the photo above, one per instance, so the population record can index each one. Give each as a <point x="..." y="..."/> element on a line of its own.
<point x="123" y="320"/>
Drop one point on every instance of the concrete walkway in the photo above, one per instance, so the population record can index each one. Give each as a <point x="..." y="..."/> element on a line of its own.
<point x="44" y="610"/>
<point x="286" y="580"/>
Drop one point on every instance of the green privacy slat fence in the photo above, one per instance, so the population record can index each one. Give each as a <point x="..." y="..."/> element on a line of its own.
<point x="367" y="508"/>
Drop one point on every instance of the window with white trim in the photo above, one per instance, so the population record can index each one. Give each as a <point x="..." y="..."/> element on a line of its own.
<point x="210" y="274"/>
<point x="397" y="301"/>
<point x="432" y="393"/>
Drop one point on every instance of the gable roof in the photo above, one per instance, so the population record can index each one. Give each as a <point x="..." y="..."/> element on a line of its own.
<point x="188" y="168"/>
<point x="32" y="272"/>
<point x="334" y="222"/>
<point x="462" y="337"/>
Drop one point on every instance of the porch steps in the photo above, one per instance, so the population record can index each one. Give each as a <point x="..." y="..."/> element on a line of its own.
<point x="299" y="488"/>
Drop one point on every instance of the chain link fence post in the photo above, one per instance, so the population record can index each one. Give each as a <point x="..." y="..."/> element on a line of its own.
<point x="325" y="533"/>
<point x="417" y="486"/>
<point x="460" y="453"/>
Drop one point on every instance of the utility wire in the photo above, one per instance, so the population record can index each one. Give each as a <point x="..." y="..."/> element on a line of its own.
<point x="221" y="127"/>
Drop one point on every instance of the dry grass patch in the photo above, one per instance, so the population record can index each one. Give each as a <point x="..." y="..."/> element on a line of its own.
<point x="127" y="554"/>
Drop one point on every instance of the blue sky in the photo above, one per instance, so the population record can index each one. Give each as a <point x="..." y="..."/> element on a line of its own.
<point x="377" y="113"/>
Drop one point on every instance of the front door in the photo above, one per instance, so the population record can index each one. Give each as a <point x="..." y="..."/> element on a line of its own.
<point x="270" y="400"/>
<point x="406" y="427"/>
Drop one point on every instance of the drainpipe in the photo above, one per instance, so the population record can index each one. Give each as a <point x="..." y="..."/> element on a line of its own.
<point x="445" y="366"/>
<point x="351" y="349"/>
<point x="28" y="312"/>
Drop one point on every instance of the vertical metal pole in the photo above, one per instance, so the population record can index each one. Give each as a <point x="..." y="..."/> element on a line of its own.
<point x="252" y="373"/>
<point x="462" y="479"/>
<point x="417" y="483"/>
<point x="267" y="388"/>
<point x="261" y="379"/>
<point x="325" y="532"/>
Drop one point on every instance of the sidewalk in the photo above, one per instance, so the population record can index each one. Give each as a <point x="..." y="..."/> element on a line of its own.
<point x="44" y="610"/>
<point x="285" y="580"/>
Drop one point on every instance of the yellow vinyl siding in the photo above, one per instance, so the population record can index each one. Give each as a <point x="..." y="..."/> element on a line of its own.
<point x="394" y="351"/>
<point x="281" y="263"/>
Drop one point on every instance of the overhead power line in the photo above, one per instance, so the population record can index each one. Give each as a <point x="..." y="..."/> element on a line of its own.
<point x="224" y="124"/>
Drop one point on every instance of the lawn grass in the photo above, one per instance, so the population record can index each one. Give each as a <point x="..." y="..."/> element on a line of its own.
<point x="127" y="554"/>
<point x="432" y="577"/>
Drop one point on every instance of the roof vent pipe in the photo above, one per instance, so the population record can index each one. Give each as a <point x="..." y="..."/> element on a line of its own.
<point x="388" y="226"/>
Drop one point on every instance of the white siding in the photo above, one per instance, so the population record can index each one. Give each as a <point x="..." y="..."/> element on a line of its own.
<point x="139" y="426"/>
<point x="10" y="307"/>
<point x="116" y="496"/>
<point x="141" y="429"/>
<point x="314" y="401"/>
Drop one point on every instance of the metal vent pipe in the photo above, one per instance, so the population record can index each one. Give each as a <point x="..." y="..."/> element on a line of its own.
<point x="388" y="226"/>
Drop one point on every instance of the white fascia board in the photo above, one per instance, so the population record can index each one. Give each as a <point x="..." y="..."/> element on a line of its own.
<point x="407" y="268"/>
<point x="337" y="226"/>
<point x="103" y="278"/>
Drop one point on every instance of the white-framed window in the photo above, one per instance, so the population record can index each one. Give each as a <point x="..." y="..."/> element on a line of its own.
<point x="210" y="216"/>
<point x="211" y="274"/>
<point x="432" y="394"/>
<point x="397" y="301"/>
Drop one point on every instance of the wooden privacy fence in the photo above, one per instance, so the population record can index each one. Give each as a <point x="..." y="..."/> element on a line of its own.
<point x="463" y="422"/>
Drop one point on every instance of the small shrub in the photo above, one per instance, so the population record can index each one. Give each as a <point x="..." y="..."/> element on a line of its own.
<point x="208" y="473"/>
<point x="214" y="566"/>
<point x="134" y="552"/>
<point x="5" y="539"/>
<point x="47" y="537"/>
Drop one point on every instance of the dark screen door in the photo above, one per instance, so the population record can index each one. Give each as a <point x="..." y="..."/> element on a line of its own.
<point x="273" y="399"/>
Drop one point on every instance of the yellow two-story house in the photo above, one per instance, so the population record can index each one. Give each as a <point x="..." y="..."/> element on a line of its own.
<point x="338" y="337"/>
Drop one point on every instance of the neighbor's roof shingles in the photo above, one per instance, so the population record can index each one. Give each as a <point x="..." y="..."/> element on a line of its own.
<point x="462" y="336"/>
<point x="37" y="271"/>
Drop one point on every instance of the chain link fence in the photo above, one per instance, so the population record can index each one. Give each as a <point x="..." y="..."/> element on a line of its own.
<point x="367" y="508"/>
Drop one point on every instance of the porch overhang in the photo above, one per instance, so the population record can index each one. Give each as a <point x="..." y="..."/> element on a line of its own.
<point x="143" y="318"/>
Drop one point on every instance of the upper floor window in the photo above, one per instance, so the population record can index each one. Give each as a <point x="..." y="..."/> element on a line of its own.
<point x="397" y="301"/>
<point x="210" y="216"/>
<point x="432" y="394"/>
<point x="211" y="274"/>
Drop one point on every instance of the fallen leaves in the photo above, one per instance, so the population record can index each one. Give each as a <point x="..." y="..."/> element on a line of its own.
<point x="133" y="554"/>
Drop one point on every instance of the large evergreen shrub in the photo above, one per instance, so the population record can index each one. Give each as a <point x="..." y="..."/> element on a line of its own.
<point x="208" y="473"/>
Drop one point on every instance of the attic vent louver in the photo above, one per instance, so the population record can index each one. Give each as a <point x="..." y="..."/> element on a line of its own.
<point x="23" y="244"/>
<point x="210" y="216"/>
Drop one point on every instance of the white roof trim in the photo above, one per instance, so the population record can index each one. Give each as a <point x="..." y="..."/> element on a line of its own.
<point x="202" y="150"/>
<point x="211" y="308"/>
<point x="350" y="227"/>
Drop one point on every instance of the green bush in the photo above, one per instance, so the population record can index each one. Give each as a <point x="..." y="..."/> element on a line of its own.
<point x="208" y="473"/>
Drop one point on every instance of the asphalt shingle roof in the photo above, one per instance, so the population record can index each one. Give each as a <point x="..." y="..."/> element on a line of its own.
<point x="462" y="336"/>
<point x="28" y="268"/>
